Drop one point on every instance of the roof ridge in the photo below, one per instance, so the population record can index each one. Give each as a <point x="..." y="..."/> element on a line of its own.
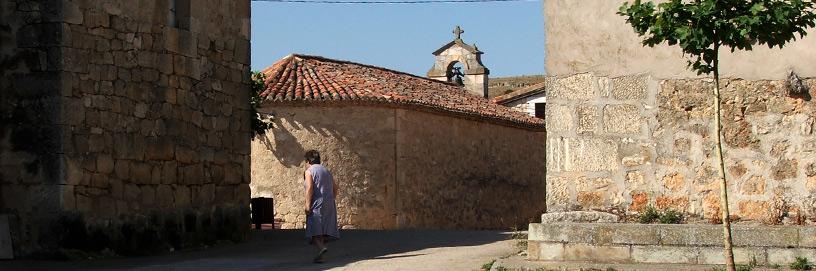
<point x="519" y="92"/>
<point x="340" y="61"/>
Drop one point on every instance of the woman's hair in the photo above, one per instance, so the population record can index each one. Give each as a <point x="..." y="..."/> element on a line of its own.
<point x="312" y="157"/>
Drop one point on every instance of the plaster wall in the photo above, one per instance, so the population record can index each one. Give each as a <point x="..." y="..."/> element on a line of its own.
<point x="400" y="168"/>
<point x="587" y="36"/>
<point x="527" y="104"/>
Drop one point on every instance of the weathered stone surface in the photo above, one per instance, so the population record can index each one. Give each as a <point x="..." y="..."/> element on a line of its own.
<point x="575" y="87"/>
<point x="634" y="234"/>
<point x="629" y="87"/>
<point x="690" y="235"/>
<point x="559" y="118"/>
<point x="587" y="119"/>
<point x="769" y="237"/>
<point x="784" y="257"/>
<point x="785" y="169"/>
<point x="581" y="155"/>
<point x="807" y="237"/>
<point x="579" y="216"/>
<point x="677" y="203"/>
<point x="755" y="210"/>
<point x="6" y="250"/>
<point x="622" y="119"/>
<point x="674" y="182"/>
<point x="590" y="199"/>
<point x="742" y="256"/>
<point x="610" y="254"/>
<point x="548" y="251"/>
<point x="663" y="254"/>
<point x="558" y="191"/>
<point x="755" y="185"/>
<point x="639" y="201"/>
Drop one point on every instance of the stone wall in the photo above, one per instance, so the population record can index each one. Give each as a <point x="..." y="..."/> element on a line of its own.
<point x="672" y="244"/>
<point x="399" y="168"/>
<point x="632" y="141"/>
<point x="148" y="144"/>
<point x="587" y="36"/>
<point x="356" y="144"/>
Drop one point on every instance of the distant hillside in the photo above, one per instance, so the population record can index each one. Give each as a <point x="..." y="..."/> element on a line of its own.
<point x="502" y="85"/>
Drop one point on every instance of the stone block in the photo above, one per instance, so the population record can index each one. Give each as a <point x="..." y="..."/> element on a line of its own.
<point x="224" y="194"/>
<point x="564" y="232"/>
<point x="141" y="173"/>
<point x="581" y="155"/>
<point x="606" y="254"/>
<point x="104" y="163"/>
<point x="131" y="192"/>
<point x="159" y="148"/>
<point x="164" y="196"/>
<point x="204" y="194"/>
<point x="635" y="234"/>
<point x="575" y="87"/>
<point x="690" y="235"/>
<point x="579" y="216"/>
<point x="622" y="119"/>
<point x="742" y="256"/>
<point x="807" y="237"/>
<point x="765" y="236"/>
<point x="664" y="254"/>
<point x="630" y="87"/>
<point x="6" y="248"/>
<point x="182" y="196"/>
<point x="546" y="251"/>
<point x="148" y="195"/>
<point x="785" y="256"/>
<point x="559" y="118"/>
<point x="587" y="119"/>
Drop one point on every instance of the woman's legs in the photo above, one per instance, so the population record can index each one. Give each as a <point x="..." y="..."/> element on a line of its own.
<point x="319" y="242"/>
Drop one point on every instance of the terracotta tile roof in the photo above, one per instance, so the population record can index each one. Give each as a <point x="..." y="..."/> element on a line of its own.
<point x="308" y="80"/>
<point x="520" y="93"/>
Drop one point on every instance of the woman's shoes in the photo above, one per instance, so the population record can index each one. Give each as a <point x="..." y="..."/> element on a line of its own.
<point x="319" y="257"/>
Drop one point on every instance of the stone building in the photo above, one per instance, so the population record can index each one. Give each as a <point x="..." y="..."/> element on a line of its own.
<point x="459" y="59"/>
<point x="124" y="124"/>
<point x="406" y="151"/>
<point x="531" y="99"/>
<point x="630" y="126"/>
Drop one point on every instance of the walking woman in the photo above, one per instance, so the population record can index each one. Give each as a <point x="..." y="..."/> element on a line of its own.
<point x="321" y="210"/>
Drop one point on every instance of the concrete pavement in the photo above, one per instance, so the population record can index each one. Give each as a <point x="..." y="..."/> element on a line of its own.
<point x="287" y="250"/>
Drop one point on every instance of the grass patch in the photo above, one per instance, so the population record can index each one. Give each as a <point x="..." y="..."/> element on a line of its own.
<point x="801" y="263"/>
<point x="487" y="266"/>
<point x="652" y="215"/>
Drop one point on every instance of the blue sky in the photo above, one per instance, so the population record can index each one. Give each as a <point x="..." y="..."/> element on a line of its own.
<point x="403" y="36"/>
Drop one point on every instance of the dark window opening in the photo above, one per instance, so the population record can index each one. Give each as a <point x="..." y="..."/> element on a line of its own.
<point x="540" y="109"/>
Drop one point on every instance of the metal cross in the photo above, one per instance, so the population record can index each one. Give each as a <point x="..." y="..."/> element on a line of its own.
<point x="458" y="32"/>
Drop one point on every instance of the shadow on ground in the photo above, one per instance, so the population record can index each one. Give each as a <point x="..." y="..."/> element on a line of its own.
<point x="284" y="250"/>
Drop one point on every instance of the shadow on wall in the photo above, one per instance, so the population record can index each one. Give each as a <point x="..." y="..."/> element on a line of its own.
<point x="289" y="151"/>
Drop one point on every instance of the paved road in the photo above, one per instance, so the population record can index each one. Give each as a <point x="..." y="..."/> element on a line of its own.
<point x="287" y="250"/>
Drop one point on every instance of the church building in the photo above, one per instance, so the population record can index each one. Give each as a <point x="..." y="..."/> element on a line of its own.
<point x="405" y="151"/>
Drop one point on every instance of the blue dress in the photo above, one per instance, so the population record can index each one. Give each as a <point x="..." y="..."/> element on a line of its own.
<point x="323" y="219"/>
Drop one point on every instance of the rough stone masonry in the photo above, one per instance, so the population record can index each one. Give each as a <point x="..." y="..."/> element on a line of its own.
<point x="630" y="126"/>
<point x="124" y="123"/>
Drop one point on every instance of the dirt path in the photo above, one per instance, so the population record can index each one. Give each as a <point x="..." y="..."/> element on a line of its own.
<point x="287" y="250"/>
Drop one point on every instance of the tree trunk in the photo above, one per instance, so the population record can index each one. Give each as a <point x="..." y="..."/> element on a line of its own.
<point x="729" y="251"/>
